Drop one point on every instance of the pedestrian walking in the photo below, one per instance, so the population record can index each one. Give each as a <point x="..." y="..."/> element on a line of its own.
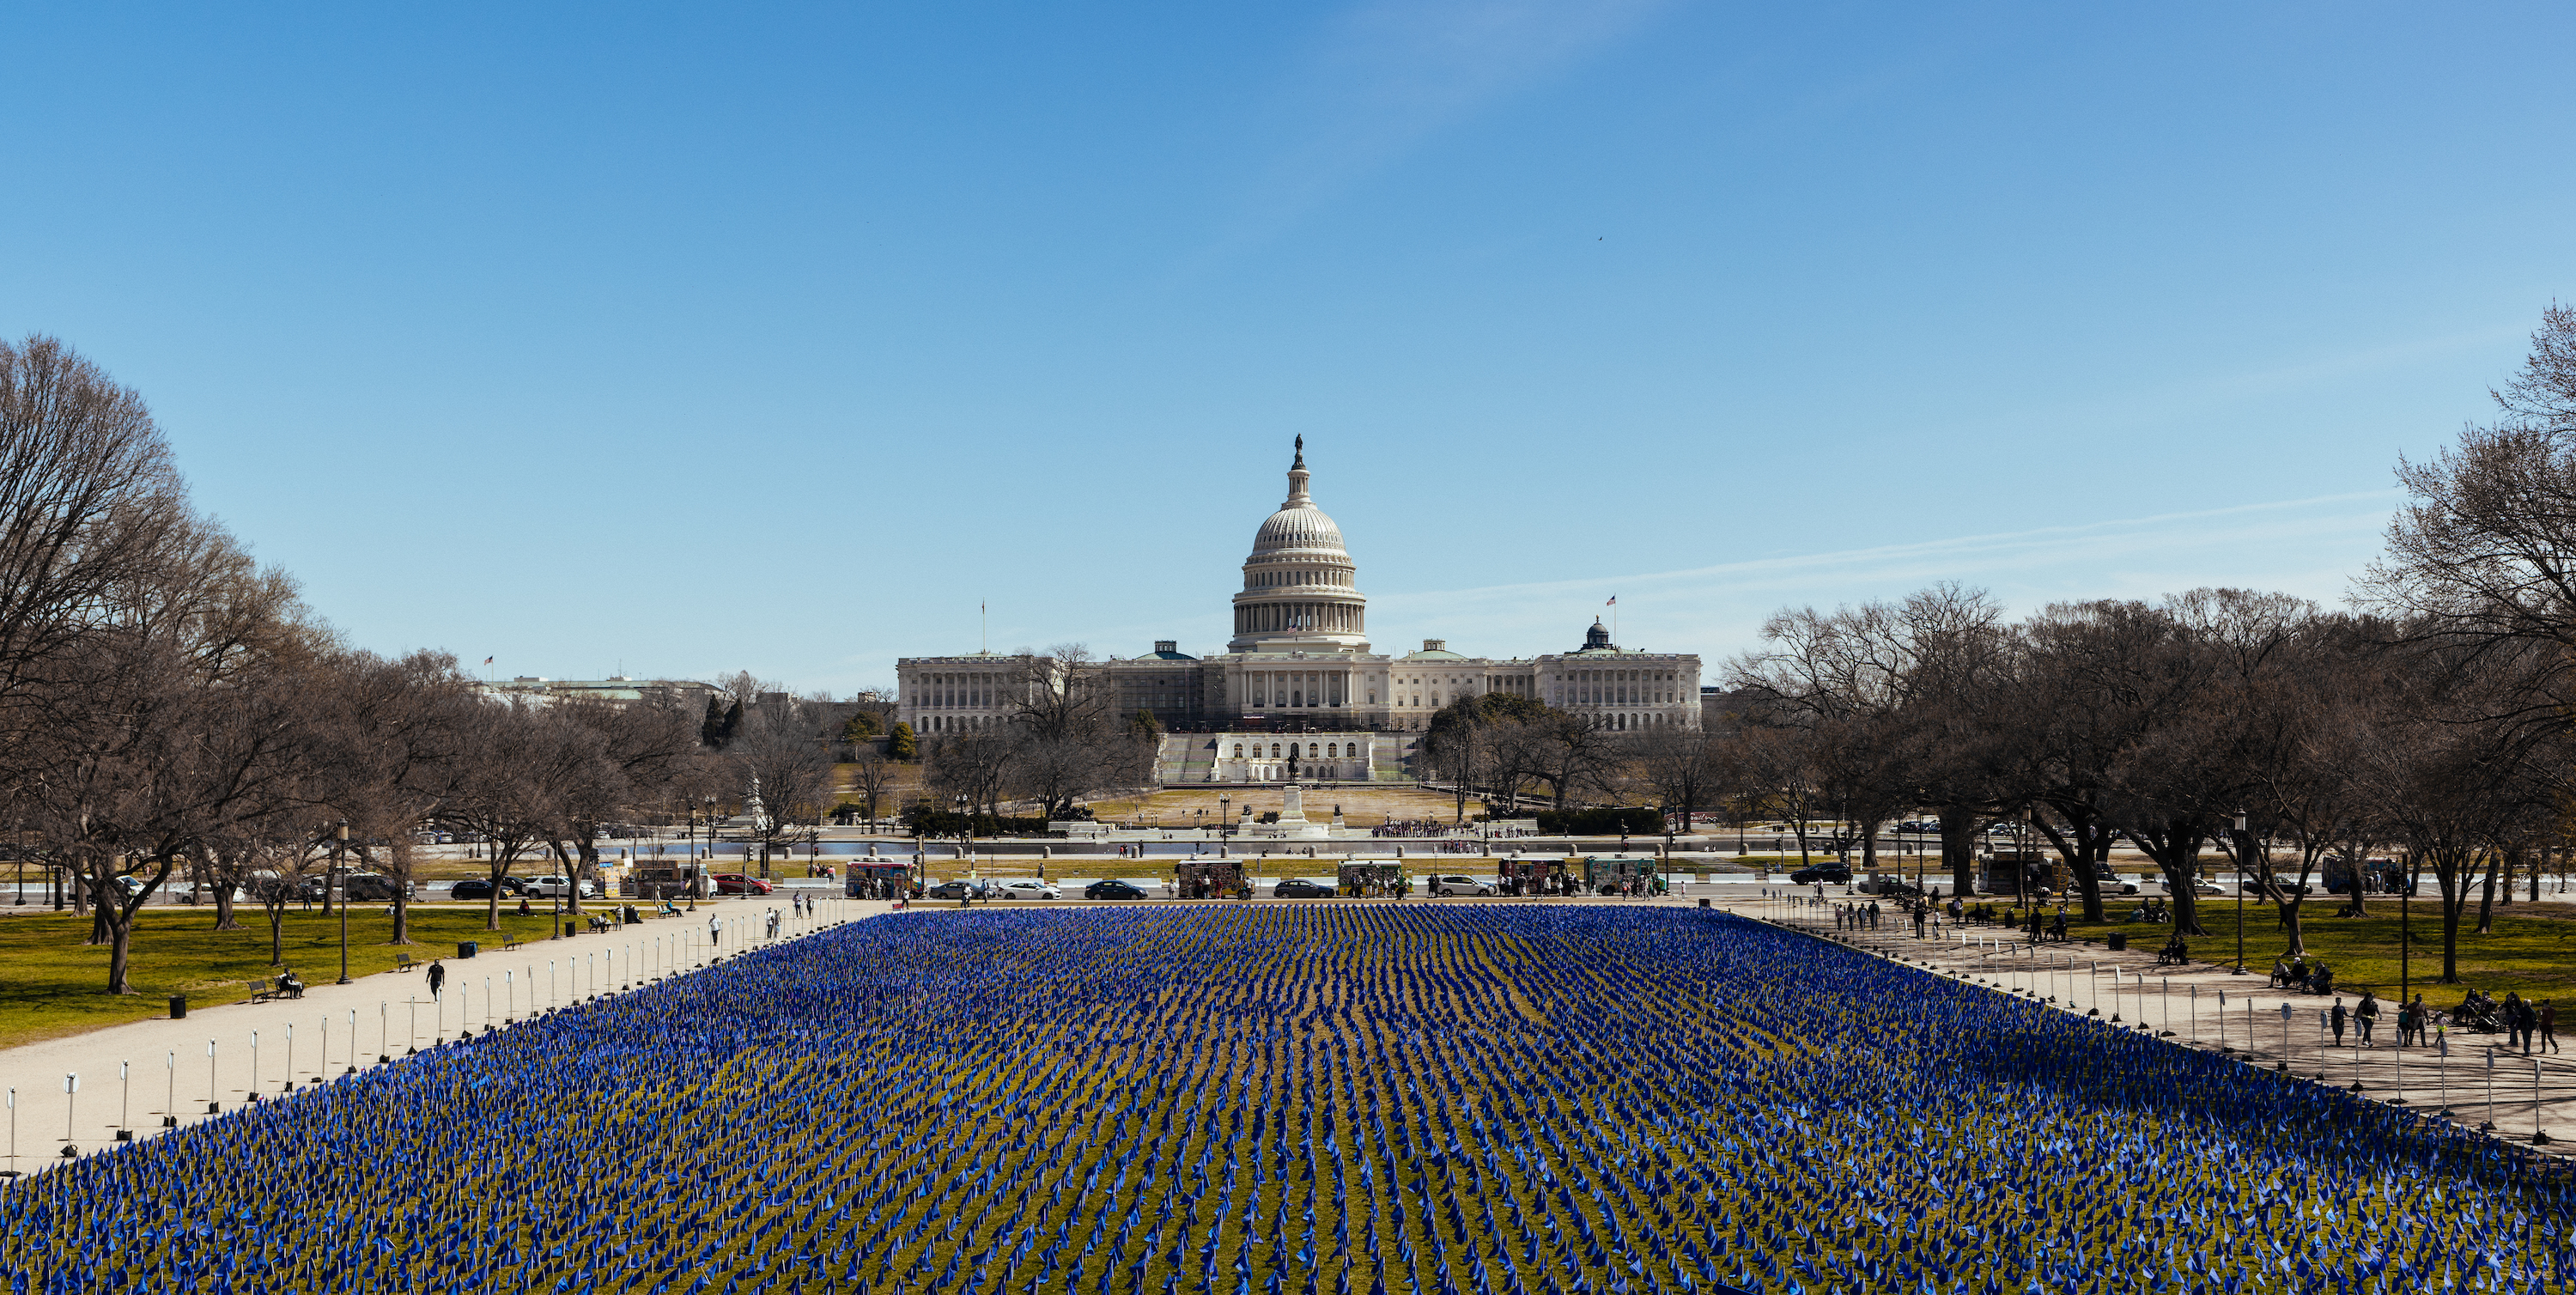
<point x="2511" y="1012"/>
<point x="2549" y="1027"/>
<point x="2366" y="1014"/>
<point x="2335" y="1018"/>
<point x="437" y="975"/>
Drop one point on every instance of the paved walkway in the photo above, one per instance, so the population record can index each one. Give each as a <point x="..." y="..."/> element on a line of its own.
<point x="2184" y="1004"/>
<point x="335" y="1028"/>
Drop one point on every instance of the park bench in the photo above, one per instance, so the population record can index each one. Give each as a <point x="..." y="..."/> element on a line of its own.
<point x="512" y="944"/>
<point x="405" y="962"/>
<point x="2173" y="955"/>
<point x="598" y="924"/>
<point x="262" y="991"/>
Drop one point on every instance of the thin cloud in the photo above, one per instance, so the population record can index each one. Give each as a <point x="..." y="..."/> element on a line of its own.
<point x="2303" y="546"/>
<point x="1391" y="76"/>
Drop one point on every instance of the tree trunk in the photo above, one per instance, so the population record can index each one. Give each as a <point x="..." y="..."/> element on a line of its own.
<point x="2486" y="897"/>
<point x="120" y="943"/>
<point x="276" y="934"/>
<point x="224" y="918"/>
<point x="2354" y="861"/>
<point x="2455" y="905"/>
<point x="1959" y="849"/>
<point x="492" y="908"/>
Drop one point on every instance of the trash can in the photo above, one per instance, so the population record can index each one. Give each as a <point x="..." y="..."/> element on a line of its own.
<point x="571" y="929"/>
<point x="468" y="948"/>
<point x="2119" y="940"/>
<point x="1703" y="903"/>
<point x="178" y="1007"/>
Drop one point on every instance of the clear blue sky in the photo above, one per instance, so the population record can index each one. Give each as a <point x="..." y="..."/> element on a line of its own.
<point x="697" y="339"/>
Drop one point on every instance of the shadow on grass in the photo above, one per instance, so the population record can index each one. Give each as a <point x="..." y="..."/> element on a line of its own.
<point x="52" y="985"/>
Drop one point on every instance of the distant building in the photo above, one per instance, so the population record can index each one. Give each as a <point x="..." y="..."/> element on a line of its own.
<point x="1300" y="660"/>
<point x="616" y="690"/>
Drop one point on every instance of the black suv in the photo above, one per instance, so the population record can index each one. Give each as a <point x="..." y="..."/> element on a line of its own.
<point x="481" y="888"/>
<point x="1831" y="873"/>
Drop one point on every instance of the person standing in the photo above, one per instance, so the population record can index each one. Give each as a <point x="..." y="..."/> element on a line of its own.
<point x="2511" y="1013"/>
<point x="2336" y="1018"/>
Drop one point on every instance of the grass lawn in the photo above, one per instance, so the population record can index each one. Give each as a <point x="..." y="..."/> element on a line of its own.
<point x="2532" y="952"/>
<point x="55" y="985"/>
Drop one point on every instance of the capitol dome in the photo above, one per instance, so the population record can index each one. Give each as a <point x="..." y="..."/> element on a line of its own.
<point x="1300" y="588"/>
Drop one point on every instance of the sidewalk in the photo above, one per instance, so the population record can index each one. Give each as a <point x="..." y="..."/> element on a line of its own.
<point x="335" y="1027"/>
<point x="2183" y="1004"/>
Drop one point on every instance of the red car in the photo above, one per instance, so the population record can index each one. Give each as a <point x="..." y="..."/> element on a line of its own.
<point x="734" y="883"/>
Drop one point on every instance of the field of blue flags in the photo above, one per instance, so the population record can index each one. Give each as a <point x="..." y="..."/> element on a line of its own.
<point x="1363" y="1099"/>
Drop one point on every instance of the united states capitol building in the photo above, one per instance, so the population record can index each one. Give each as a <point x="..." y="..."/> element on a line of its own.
<point x="1300" y="662"/>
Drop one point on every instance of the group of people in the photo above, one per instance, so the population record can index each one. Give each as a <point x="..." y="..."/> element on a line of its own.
<point x="1856" y="917"/>
<point x="2527" y="1023"/>
<point x="2302" y="973"/>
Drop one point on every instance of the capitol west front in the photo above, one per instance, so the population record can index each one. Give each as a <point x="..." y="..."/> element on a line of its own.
<point x="1300" y="661"/>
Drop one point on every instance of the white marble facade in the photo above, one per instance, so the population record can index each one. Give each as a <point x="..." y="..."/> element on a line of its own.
<point x="1300" y="659"/>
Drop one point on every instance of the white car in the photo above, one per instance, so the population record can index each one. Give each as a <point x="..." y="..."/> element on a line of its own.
<point x="1026" y="889"/>
<point x="557" y="886"/>
<point x="1461" y="886"/>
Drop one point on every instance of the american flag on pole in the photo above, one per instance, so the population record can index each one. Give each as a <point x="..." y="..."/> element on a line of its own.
<point x="1614" y="601"/>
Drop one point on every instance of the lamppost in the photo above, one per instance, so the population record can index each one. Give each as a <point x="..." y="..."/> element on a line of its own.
<point x="1224" y="818"/>
<point x="2243" y="846"/>
<point x="966" y="835"/>
<point x="694" y="872"/>
<point x="2405" y="945"/>
<point x="340" y="869"/>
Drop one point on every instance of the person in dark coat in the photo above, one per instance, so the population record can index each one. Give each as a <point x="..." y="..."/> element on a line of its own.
<point x="437" y="975"/>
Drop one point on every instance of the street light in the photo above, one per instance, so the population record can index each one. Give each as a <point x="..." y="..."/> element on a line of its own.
<point x="2405" y="942"/>
<point x="339" y="853"/>
<point x="2243" y="846"/>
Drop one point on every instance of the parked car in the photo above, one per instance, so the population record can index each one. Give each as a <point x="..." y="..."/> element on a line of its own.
<point x="953" y="890"/>
<point x="1025" y="888"/>
<point x="1823" y="873"/>
<point x="1461" y="886"/>
<point x="735" y="883"/>
<point x="481" y="888"/>
<point x="367" y="887"/>
<point x="1300" y="888"/>
<point x="556" y="886"/>
<point x="205" y="892"/>
<point x="1111" y="888"/>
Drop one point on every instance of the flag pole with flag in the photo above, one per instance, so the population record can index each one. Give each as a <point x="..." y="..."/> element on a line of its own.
<point x="1613" y="605"/>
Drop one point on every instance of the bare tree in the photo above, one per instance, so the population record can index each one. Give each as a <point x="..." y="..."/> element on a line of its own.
<point x="784" y="764"/>
<point x="1681" y="765"/>
<point x="870" y="774"/>
<point x="494" y="795"/>
<point x="1067" y="746"/>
